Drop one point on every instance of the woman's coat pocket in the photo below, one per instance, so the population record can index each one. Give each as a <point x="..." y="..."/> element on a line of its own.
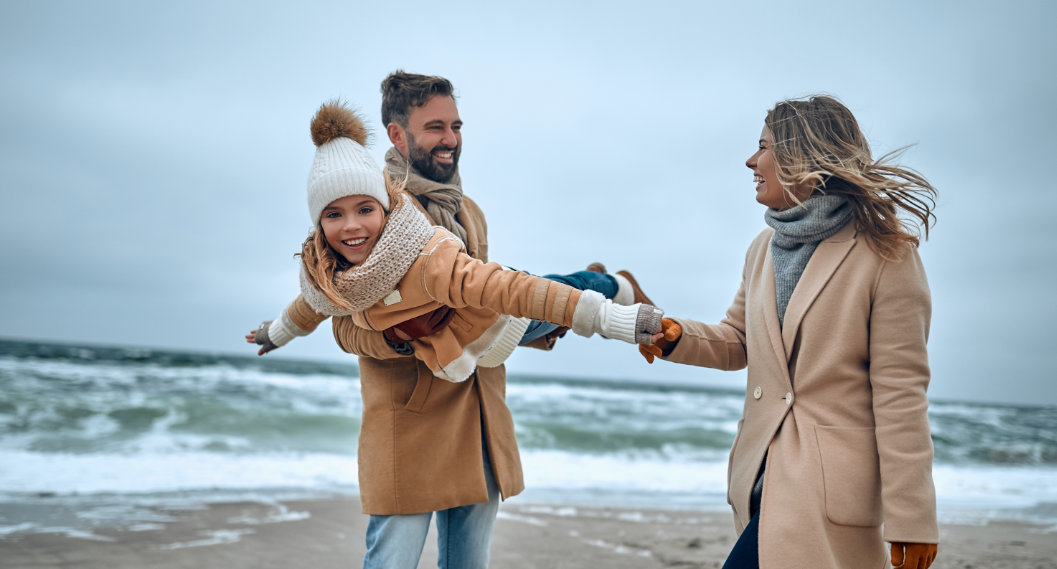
<point x="851" y="475"/>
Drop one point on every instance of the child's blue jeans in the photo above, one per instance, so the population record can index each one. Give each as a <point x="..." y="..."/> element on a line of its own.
<point x="583" y="280"/>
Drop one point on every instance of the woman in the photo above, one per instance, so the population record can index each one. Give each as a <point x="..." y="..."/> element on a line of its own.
<point x="833" y="455"/>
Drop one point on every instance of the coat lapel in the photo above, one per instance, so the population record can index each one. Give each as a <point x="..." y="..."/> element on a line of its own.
<point x="824" y="262"/>
<point x="770" y="310"/>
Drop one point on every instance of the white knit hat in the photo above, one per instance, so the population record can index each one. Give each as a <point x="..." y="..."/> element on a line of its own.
<point x="342" y="166"/>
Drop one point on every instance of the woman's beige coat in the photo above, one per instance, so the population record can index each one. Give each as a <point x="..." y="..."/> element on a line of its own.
<point x="835" y="403"/>
<point x="421" y="436"/>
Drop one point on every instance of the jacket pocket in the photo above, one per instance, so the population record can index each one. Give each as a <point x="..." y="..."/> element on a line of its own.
<point x="851" y="475"/>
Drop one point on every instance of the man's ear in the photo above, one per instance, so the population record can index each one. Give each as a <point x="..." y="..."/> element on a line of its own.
<point x="398" y="136"/>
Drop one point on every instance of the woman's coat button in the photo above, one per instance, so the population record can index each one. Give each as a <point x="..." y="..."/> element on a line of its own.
<point x="788" y="398"/>
<point x="758" y="392"/>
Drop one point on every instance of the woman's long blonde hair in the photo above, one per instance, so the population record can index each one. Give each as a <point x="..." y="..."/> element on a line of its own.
<point x="816" y="142"/>
<point x="321" y="262"/>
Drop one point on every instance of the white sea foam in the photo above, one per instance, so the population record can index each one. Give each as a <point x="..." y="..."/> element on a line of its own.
<point x="973" y="491"/>
<point x="565" y="470"/>
<point x="87" y="422"/>
<point x="17" y="528"/>
<point x="218" y="537"/>
<point x="978" y="494"/>
<point x="65" y="474"/>
<point x="278" y="513"/>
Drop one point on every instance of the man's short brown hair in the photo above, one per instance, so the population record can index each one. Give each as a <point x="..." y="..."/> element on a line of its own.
<point x="403" y="91"/>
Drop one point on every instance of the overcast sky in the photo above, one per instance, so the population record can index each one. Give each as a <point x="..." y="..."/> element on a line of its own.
<point x="153" y="157"/>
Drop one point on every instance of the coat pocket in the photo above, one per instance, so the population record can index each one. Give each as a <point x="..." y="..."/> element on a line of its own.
<point x="851" y="475"/>
<point x="413" y="400"/>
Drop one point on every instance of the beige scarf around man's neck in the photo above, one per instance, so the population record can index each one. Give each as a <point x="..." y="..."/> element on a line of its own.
<point x="442" y="201"/>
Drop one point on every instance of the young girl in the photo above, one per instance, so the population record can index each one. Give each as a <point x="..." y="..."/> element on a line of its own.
<point x="374" y="256"/>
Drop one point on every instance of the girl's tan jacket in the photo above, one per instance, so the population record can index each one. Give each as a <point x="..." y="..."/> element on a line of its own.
<point x="490" y="301"/>
<point x="420" y="444"/>
<point x="835" y="404"/>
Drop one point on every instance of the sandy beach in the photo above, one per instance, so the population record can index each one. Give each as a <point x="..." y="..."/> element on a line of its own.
<point x="329" y="534"/>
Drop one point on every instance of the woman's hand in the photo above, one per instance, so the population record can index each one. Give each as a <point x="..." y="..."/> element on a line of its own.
<point x="663" y="341"/>
<point x="913" y="555"/>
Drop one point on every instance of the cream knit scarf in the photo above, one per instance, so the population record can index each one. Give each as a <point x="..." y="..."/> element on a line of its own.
<point x="406" y="232"/>
<point x="442" y="201"/>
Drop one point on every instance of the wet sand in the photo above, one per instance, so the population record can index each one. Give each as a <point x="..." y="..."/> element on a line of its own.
<point x="326" y="534"/>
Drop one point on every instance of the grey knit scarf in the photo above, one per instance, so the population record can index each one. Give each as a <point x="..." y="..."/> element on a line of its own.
<point x="442" y="201"/>
<point x="797" y="233"/>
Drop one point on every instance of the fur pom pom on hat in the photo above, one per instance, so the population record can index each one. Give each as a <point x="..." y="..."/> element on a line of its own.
<point x="342" y="166"/>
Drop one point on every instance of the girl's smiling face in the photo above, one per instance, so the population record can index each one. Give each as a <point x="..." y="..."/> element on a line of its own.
<point x="351" y="226"/>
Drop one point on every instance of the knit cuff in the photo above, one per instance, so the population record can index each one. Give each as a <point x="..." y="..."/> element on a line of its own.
<point x="281" y="330"/>
<point x="633" y="324"/>
<point x="618" y="322"/>
<point x="647" y="323"/>
<point x="586" y="312"/>
<point x="504" y="345"/>
<point x="595" y="314"/>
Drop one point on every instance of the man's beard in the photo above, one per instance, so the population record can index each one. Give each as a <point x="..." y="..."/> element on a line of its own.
<point x="422" y="160"/>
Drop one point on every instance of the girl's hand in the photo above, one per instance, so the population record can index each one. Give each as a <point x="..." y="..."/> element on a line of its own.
<point x="260" y="336"/>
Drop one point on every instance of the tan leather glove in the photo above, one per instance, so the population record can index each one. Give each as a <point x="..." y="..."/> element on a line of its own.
<point x="672" y="332"/>
<point x="913" y="555"/>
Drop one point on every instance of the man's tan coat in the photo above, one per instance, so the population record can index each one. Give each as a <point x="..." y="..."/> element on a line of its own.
<point x="835" y="404"/>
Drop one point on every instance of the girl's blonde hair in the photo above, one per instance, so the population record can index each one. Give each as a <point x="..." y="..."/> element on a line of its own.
<point x="816" y="142"/>
<point x="321" y="262"/>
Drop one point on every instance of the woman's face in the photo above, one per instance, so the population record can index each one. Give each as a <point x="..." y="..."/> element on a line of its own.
<point x="351" y="226"/>
<point x="769" y="190"/>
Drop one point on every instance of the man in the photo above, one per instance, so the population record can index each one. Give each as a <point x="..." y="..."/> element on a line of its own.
<point x="429" y="446"/>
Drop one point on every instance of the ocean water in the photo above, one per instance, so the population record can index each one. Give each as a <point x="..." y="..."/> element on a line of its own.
<point x="91" y="425"/>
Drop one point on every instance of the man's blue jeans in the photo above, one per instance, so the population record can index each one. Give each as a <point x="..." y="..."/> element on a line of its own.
<point x="583" y="280"/>
<point x="464" y="534"/>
